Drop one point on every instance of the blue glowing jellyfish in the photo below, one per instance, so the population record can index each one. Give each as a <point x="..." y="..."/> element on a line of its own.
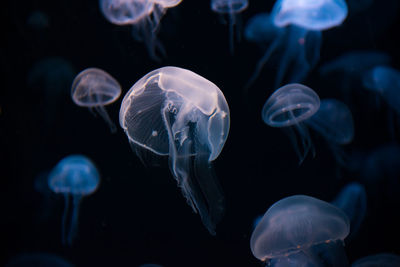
<point x="38" y="259"/>
<point x="175" y="112"/>
<point x="143" y="15"/>
<point x="352" y="199"/>
<point x="287" y="108"/>
<point x="300" y="43"/>
<point x="376" y="260"/>
<point x="232" y="8"/>
<point x="301" y="231"/>
<point x="94" y="88"/>
<point x="75" y="176"/>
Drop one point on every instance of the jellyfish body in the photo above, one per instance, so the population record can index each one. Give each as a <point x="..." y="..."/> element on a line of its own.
<point x="352" y="199"/>
<point x="287" y="108"/>
<point x="175" y="112"/>
<point x="94" y="88"/>
<point x="381" y="259"/>
<point x="143" y="15"/>
<point x="301" y="231"/>
<point x="75" y="176"/>
<point x="232" y="8"/>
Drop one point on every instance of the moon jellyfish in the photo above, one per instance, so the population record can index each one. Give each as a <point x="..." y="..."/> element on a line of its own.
<point x="38" y="259"/>
<point x="75" y="176"/>
<point x="301" y="231"/>
<point x="175" y="112"/>
<point x="143" y="15"/>
<point x="352" y="199"/>
<point x="287" y="108"/>
<point x="232" y="8"/>
<point x="381" y="259"/>
<point x="334" y="122"/>
<point x="95" y="88"/>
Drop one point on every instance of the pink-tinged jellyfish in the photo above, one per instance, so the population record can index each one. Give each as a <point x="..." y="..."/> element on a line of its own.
<point x="177" y="113"/>
<point x="94" y="88"/>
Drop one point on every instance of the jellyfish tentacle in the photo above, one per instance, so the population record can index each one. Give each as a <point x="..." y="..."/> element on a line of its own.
<point x="101" y="110"/>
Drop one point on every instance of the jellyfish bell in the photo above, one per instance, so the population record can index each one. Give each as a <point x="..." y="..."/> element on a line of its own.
<point x="126" y="12"/>
<point x="298" y="228"/>
<point x="289" y="106"/>
<point x="176" y="112"/>
<point x="94" y="88"/>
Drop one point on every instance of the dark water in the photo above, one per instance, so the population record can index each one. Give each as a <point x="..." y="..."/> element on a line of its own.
<point x="138" y="215"/>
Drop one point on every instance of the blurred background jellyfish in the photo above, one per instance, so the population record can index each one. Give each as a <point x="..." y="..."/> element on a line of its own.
<point x="143" y="15"/>
<point x="175" y="112"/>
<point x="334" y="122"/>
<point x="40" y="259"/>
<point x="301" y="40"/>
<point x="352" y="199"/>
<point x="94" y="88"/>
<point x="381" y="259"/>
<point x="287" y="108"/>
<point x="38" y="20"/>
<point x="301" y="231"/>
<point x="232" y="8"/>
<point x="75" y="176"/>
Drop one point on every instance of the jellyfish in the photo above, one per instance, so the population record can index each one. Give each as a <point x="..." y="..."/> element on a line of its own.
<point x="301" y="231"/>
<point x="75" y="176"/>
<point x="143" y="15"/>
<point x="352" y="199"/>
<point x="334" y="122"/>
<point x="41" y="259"/>
<point x="380" y="259"/>
<point x="287" y="108"/>
<point x="94" y="88"/>
<point x="300" y="41"/>
<point x="38" y="20"/>
<point x="232" y="8"/>
<point x="175" y="112"/>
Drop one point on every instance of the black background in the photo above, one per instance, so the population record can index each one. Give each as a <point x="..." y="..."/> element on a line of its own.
<point x="138" y="214"/>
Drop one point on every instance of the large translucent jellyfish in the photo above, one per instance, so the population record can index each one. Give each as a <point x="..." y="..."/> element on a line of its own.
<point x="232" y="8"/>
<point x="300" y="46"/>
<point x="301" y="231"/>
<point x="41" y="259"/>
<point x="376" y="260"/>
<point x="75" y="176"/>
<point x="143" y="15"/>
<point x="175" y="112"/>
<point x="334" y="122"/>
<point x="287" y="108"/>
<point x="94" y="88"/>
<point x="352" y="199"/>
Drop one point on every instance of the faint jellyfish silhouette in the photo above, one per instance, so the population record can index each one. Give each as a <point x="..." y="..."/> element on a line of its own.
<point x="75" y="176"/>
<point x="38" y="20"/>
<point x="287" y="108"/>
<point x="334" y="122"/>
<point x="175" y="112"/>
<point x="232" y="8"/>
<point x="301" y="231"/>
<point x="143" y="15"/>
<point x="94" y="88"/>
<point x="302" y="18"/>
<point x="41" y="259"/>
<point x="352" y="199"/>
<point x="381" y="259"/>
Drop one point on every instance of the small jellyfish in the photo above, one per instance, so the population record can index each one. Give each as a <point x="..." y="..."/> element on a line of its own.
<point x="301" y="231"/>
<point x="175" y="112"/>
<point x="300" y="42"/>
<point x="287" y="108"/>
<point x="352" y="199"/>
<point x="143" y="15"/>
<point x="376" y="260"/>
<point x="94" y="88"/>
<point x="41" y="259"/>
<point x="232" y="8"/>
<point x="75" y="176"/>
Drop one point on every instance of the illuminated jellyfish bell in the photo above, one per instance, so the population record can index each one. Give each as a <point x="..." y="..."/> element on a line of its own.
<point x="94" y="88"/>
<point x="301" y="231"/>
<point x="75" y="176"/>
<point x="287" y="108"/>
<point x="381" y="259"/>
<point x="352" y="199"/>
<point x="175" y="112"/>
<point x="41" y="259"/>
<point x="143" y="15"/>
<point x="232" y="8"/>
